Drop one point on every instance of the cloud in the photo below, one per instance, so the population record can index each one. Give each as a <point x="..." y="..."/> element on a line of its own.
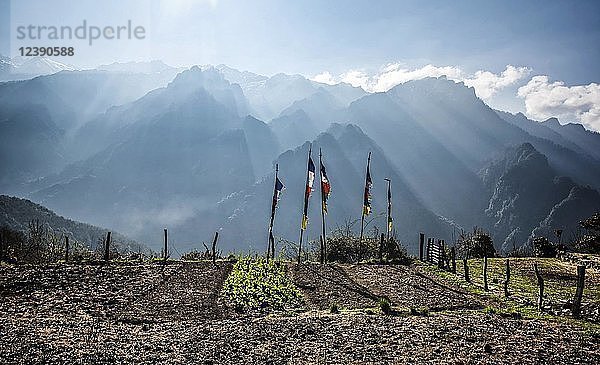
<point x="485" y="83"/>
<point x="395" y="74"/>
<point x="324" y="78"/>
<point x="357" y="78"/>
<point x="544" y="99"/>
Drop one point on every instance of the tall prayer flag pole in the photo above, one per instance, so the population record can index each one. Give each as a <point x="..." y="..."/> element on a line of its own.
<point x="389" y="209"/>
<point x="366" y="198"/>
<point x="276" y="193"/>
<point x="310" y="177"/>
<point x="325" y="190"/>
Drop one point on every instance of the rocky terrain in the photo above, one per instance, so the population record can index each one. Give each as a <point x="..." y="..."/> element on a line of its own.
<point x="175" y="313"/>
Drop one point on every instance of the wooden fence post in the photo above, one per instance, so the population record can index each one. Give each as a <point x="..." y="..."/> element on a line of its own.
<point x="440" y="257"/>
<point x="453" y="257"/>
<point x="507" y="279"/>
<point x="166" y="248"/>
<point x="381" y="242"/>
<point x="466" y="270"/>
<point x="66" y="248"/>
<point x="214" y="248"/>
<point x="485" y="277"/>
<point x="579" y="291"/>
<point x="421" y="244"/>
<point x="107" y="247"/>
<point x="428" y="253"/>
<point x="1" y="247"/>
<point x="540" y="281"/>
<point x="321" y="253"/>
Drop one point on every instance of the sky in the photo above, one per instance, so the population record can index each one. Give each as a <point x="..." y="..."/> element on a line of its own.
<point x="538" y="57"/>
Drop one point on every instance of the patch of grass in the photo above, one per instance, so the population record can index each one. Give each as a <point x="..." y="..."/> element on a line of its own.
<point x="559" y="279"/>
<point x="255" y="284"/>
<point x="490" y="310"/>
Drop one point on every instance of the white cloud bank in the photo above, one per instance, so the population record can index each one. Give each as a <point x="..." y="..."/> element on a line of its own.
<point x="544" y="99"/>
<point x="485" y="83"/>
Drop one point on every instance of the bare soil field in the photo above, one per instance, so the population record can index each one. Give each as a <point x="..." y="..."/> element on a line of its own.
<point x="150" y="314"/>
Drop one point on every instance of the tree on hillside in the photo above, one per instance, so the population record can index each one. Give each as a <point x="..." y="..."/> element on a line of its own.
<point x="542" y="247"/>
<point x="590" y="241"/>
<point x="476" y="244"/>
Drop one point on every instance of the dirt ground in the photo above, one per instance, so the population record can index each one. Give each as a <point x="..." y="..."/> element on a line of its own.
<point x="149" y="314"/>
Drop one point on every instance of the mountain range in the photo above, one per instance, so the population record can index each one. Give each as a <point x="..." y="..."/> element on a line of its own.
<point x="140" y="146"/>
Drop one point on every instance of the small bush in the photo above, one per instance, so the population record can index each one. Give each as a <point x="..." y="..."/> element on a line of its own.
<point x="196" y="255"/>
<point x="476" y="244"/>
<point x="345" y="246"/>
<point x="542" y="247"/>
<point x="385" y="306"/>
<point x="334" y="309"/>
<point x="590" y="241"/>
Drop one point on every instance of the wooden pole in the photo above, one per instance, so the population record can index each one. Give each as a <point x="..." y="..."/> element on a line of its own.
<point x="579" y="291"/>
<point x="485" y="277"/>
<point x="107" y="247"/>
<point x="305" y="207"/>
<point x="66" y="248"/>
<point x="540" y="281"/>
<point x="1" y="247"/>
<point x="381" y="242"/>
<point x="323" y="236"/>
<point x="453" y="257"/>
<point x="440" y="257"/>
<point x="389" y="209"/>
<point x="321" y="252"/>
<point x="466" y="270"/>
<point x="445" y="257"/>
<point x="272" y="247"/>
<point x="362" y="228"/>
<point x="166" y="248"/>
<point x="271" y="242"/>
<point x="300" y="246"/>
<point x="421" y="244"/>
<point x="506" y="293"/>
<point x="362" y="218"/>
<point x="428" y="256"/>
<point x="214" y="249"/>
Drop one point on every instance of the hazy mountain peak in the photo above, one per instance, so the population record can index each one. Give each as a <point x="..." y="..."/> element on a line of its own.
<point x="240" y="77"/>
<point x="213" y="81"/>
<point x="197" y="75"/>
<point x="148" y="67"/>
<point x="552" y="122"/>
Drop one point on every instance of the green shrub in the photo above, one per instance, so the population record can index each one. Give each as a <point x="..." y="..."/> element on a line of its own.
<point x="385" y="306"/>
<point x="476" y="244"/>
<point x="343" y="245"/>
<point x="255" y="284"/>
<point x="333" y="308"/>
<point x="542" y="247"/>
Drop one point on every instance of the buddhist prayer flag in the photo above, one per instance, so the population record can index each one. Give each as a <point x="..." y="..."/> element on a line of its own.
<point x="310" y="179"/>
<point x="276" y="194"/>
<point x="368" y="184"/>
<point x="325" y="187"/>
